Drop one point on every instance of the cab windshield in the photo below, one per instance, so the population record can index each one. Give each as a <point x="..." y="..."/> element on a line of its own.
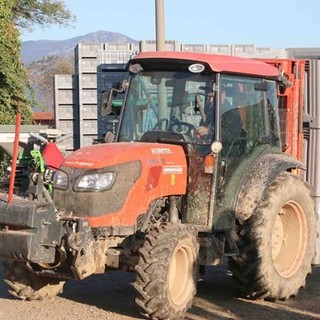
<point x="166" y="106"/>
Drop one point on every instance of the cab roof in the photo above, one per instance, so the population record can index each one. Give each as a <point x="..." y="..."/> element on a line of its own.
<point x="216" y="62"/>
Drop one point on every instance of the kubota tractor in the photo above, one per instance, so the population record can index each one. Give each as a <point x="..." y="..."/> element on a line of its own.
<point x="196" y="174"/>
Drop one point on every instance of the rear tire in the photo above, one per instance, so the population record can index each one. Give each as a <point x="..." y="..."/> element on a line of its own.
<point x="167" y="271"/>
<point x="25" y="285"/>
<point x="277" y="243"/>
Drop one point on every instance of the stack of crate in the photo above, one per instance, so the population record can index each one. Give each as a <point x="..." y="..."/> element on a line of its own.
<point x="150" y="45"/>
<point x="77" y="97"/>
<point x="66" y="108"/>
<point x="312" y="135"/>
<point x="86" y="59"/>
<point x="108" y="76"/>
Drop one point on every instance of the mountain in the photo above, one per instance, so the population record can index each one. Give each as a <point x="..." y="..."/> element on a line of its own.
<point x="36" y="50"/>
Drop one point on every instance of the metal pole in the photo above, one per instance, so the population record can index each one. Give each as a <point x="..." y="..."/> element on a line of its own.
<point x="160" y="38"/>
<point x="160" y="46"/>
<point x="14" y="156"/>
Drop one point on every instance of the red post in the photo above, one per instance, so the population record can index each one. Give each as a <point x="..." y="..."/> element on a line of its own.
<point x="14" y="156"/>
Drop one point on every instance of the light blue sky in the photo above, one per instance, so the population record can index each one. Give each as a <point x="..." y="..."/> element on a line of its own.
<point x="270" y="23"/>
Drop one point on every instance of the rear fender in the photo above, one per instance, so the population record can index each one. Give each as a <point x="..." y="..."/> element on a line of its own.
<point x="257" y="181"/>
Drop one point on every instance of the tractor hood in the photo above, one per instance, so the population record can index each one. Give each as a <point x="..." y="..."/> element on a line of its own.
<point x="105" y="155"/>
<point x="140" y="173"/>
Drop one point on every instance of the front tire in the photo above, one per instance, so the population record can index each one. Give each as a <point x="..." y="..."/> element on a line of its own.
<point x="277" y="243"/>
<point x="26" y="285"/>
<point x="167" y="271"/>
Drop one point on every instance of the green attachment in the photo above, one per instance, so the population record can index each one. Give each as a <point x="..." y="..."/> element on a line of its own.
<point x="39" y="161"/>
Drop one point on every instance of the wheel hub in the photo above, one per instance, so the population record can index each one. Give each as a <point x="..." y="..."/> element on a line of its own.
<point x="289" y="239"/>
<point x="180" y="275"/>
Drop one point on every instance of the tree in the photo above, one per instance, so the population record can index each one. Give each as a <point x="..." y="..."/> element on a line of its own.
<point x="41" y="74"/>
<point x="13" y="77"/>
<point x="27" y="13"/>
<point x="14" y="82"/>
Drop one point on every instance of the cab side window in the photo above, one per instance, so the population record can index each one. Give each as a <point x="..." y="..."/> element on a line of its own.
<point x="244" y="118"/>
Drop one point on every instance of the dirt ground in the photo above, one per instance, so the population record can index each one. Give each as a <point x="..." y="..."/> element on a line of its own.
<point x="111" y="297"/>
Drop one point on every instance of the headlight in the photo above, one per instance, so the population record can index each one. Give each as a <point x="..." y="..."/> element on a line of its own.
<point x="60" y="180"/>
<point x="99" y="181"/>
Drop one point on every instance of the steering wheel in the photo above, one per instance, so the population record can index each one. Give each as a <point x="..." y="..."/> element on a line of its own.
<point x="185" y="128"/>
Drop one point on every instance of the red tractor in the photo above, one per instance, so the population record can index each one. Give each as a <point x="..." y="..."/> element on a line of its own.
<point x="197" y="173"/>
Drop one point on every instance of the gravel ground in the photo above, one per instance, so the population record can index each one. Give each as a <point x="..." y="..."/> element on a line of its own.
<point x="111" y="297"/>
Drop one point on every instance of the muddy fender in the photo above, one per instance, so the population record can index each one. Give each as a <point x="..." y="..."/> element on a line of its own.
<point x="257" y="181"/>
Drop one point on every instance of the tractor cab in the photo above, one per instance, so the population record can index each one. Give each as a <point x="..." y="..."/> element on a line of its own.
<point x="193" y="102"/>
<point x="218" y="110"/>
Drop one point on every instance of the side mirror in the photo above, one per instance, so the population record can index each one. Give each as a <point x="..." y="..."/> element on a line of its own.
<point x="106" y="102"/>
<point x="107" y="97"/>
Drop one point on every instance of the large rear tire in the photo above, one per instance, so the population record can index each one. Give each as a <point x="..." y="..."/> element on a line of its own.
<point x="167" y="271"/>
<point x="277" y="243"/>
<point x="25" y="285"/>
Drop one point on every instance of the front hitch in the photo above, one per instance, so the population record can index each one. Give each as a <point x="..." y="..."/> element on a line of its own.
<point x="29" y="231"/>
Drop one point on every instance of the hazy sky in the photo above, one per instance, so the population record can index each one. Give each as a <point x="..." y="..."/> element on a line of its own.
<point x="270" y="23"/>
